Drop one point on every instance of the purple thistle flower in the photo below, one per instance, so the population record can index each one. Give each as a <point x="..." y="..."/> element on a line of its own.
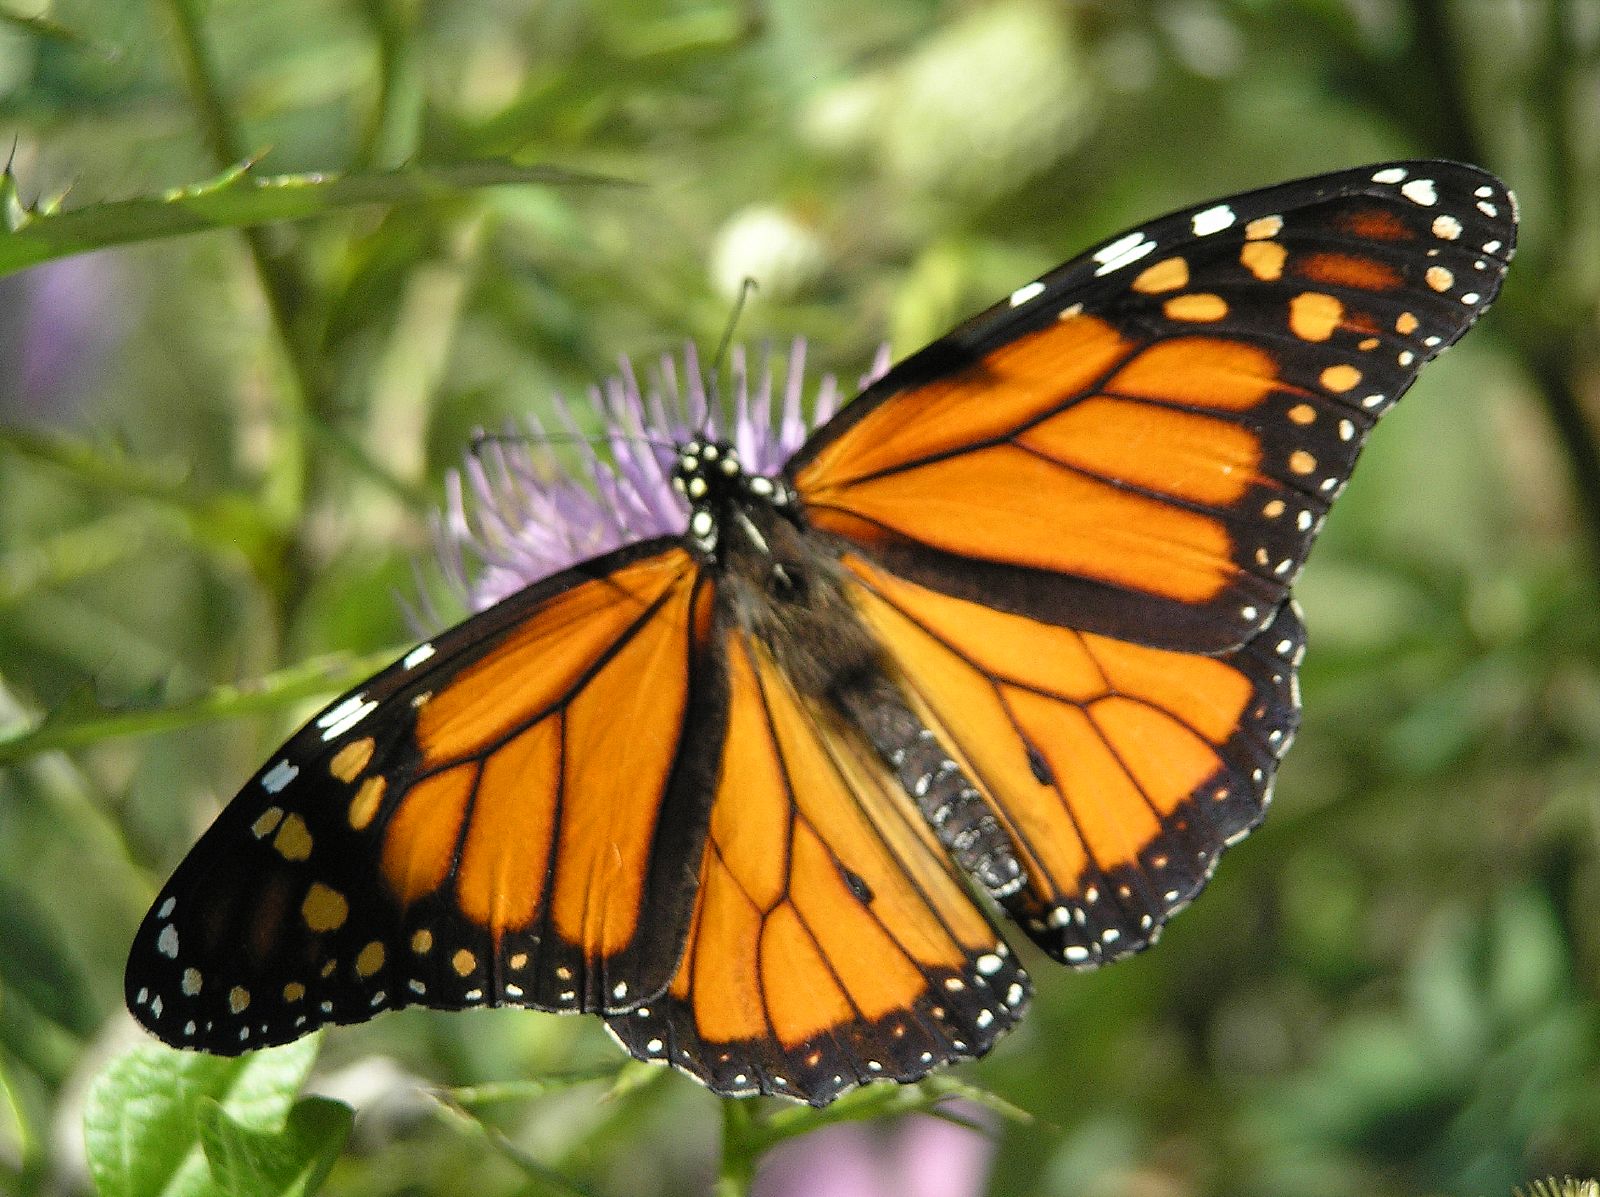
<point x="59" y="323"/>
<point x="514" y="511"/>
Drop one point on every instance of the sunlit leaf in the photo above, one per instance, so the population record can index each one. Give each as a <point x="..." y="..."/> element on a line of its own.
<point x="291" y="1162"/>
<point x="145" y="1114"/>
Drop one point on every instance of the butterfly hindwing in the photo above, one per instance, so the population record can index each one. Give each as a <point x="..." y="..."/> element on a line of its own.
<point x="1120" y="771"/>
<point x="1143" y="442"/>
<point x="513" y="813"/>
<point x="832" y="943"/>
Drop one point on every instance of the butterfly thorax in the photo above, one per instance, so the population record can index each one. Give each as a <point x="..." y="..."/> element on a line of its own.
<point x="783" y="585"/>
<point x="713" y="478"/>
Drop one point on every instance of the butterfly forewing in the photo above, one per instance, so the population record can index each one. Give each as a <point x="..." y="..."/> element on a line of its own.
<point x="513" y="813"/>
<point x="1143" y="443"/>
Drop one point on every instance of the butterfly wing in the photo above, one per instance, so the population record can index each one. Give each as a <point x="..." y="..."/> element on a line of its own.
<point x="833" y="942"/>
<point x="1143" y="442"/>
<point x="1120" y="771"/>
<point x="513" y="813"/>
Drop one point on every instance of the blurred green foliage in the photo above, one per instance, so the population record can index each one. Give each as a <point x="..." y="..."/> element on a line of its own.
<point x="218" y="454"/>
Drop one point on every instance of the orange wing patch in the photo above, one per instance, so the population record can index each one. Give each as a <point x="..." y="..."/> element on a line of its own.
<point x="532" y="729"/>
<point x="486" y="822"/>
<point x="1116" y="468"/>
<point x="1119" y="771"/>
<point x="833" y="943"/>
<point x="1097" y="458"/>
<point x="1017" y="384"/>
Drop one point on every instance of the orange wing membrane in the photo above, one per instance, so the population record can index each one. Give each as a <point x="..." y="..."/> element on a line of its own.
<point x="833" y="942"/>
<point x="513" y="813"/>
<point x="1120" y="772"/>
<point x="1144" y="442"/>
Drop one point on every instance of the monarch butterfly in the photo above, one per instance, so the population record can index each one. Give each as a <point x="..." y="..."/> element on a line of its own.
<point x="1009" y="634"/>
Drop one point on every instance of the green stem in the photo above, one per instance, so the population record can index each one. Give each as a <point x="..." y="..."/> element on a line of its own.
<point x="385" y="137"/>
<point x="287" y="490"/>
<point x="1437" y="44"/>
<point x="1553" y="353"/>
<point x="739" y="1149"/>
<point x="1552" y="96"/>
<point x="1552" y="366"/>
<point x="285" y="290"/>
<point x="323" y="675"/>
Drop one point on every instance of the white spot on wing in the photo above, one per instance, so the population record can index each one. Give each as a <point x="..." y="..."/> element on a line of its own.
<point x="280" y="775"/>
<point x="1392" y="174"/>
<point x="1420" y="191"/>
<point x="1212" y="220"/>
<point x="417" y="656"/>
<point x="345" y="716"/>
<point x="1124" y="251"/>
<point x="167" y="942"/>
<point x="1022" y="294"/>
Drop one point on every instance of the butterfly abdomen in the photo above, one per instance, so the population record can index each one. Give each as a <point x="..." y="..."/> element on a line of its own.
<point x="943" y="793"/>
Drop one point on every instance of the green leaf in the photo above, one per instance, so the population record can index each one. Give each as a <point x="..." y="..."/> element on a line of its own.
<point x="82" y="721"/>
<point x="544" y="1178"/>
<point x="247" y="1162"/>
<point x="884" y="1099"/>
<point x="35" y="965"/>
<point x="228" y="520"/>
<point x="53" y="31"/>
<point x="471" y="1098"/>
<point x="239" y="198"/>
<point x="145" y="1117"/>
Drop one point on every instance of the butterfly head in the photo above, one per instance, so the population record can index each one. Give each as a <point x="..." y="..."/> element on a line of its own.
<point x="712" y="477"/>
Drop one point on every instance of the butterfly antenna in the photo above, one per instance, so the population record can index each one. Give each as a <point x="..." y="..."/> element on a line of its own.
<point x="713" y="375"/>
<point x="481" y="440"/>
<point x="746" y="289"/>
